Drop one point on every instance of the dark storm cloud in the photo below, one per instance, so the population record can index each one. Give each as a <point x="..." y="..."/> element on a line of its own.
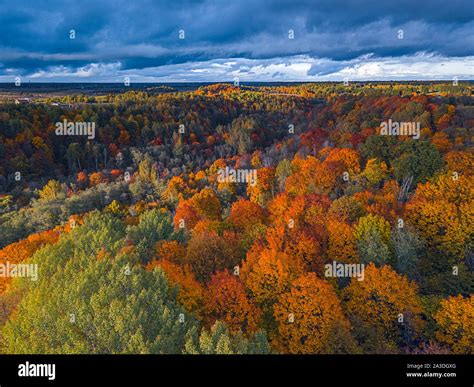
<point x="140" y="34"/>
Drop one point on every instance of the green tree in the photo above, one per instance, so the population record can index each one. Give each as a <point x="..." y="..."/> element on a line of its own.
<point x="219" y="341"/>
<point x="408" y="248"/>
<point x="85" y="302"/>
<point x="154" y="225"/>
<point x="419" y="159"/>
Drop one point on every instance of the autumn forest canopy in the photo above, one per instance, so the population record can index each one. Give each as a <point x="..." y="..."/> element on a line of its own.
<point x="239" y="219"/>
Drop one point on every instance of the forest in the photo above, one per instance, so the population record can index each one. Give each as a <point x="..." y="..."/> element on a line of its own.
<point x="215" y="221"/>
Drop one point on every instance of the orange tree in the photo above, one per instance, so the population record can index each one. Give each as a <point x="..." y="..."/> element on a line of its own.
<point x="310" y="317"/>
<point x="225" y="300"/>
<point x="342" y="243"/>
<point x="264" y="189"/>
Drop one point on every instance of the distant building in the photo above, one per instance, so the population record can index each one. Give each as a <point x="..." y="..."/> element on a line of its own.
<point x="22" y="101"/>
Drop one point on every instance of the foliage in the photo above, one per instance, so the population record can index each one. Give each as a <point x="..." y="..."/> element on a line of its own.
<point x="219" y="341"/>
<point x="384" y="309"/>
<point x="455" y="322"/>
<point x="307" y="315"/>
<point x="233" y="258"/>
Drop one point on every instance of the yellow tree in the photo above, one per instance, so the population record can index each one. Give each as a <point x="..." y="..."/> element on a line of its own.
<point x="461" y="162"/>
<point x="373" y="236"/>
<point x="383" y="307"/>
<point x="375" y="171"/>
<point x="455" y="322"/>
<point x="207" y="204"/>
<point x="443" y="213"/>
<point x="50" y="191"/>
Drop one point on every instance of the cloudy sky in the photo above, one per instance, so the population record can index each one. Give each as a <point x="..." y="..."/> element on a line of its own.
<point x="220" y="40"/>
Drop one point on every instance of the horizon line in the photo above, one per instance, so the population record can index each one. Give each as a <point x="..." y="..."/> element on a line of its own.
<point x="231" y="82"/>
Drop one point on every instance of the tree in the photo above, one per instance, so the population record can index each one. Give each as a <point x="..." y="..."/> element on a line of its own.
<point x="455" y="321"/>
<point x="461" y="162"/>
<point x="82" y="179"/>
<point x="186" y="216"/>
<point x="306" y="316"/>
<point x="146" y="185"/>
<point x="384" y="309"/>
<point x="408" y="248"/>
<point x="304" y="246"/>
<point x="264" y="189"/>
<point x="347" y="208"/>
<point x="314" y="139"/>
<point x="171" y="251"/>
<point x="298" y="212"/>
<point x="20" y="251"/>
<point x="248" y="220"/>
<point x="115" y="208"/>
<point x="154" y="225"/>
<point x="190" y="291"/>
<point x="342" y="244"/>
<point x="266" y="275"/>
<point x="90" y="305"/>
<point x="50" y="191"/>
<point x="207" y="204"/>
<point x="208" y="253"/>
<point x="379" y="147"/>
<point x="124" y="138"/>
<point x="116" y="173"/>
<point x="300" y="229"/>
<point x="348" y="158"/>
<point x="73" y="155"/>
<point x="244" y="214"/>
<point x="374" y="173"/>
<point x="97" y="178"/>
<point x="312" y="176"/>
<point x="418" y="159"/>
<point x="441" y="212"/>
<point x="225" y="300"/>
<point x="373" y="237"/>
<point x="282" y="172"/>
<point x="239" y="134"/>
<point x="219" y="341"/>
<point x="441" y="141"/>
